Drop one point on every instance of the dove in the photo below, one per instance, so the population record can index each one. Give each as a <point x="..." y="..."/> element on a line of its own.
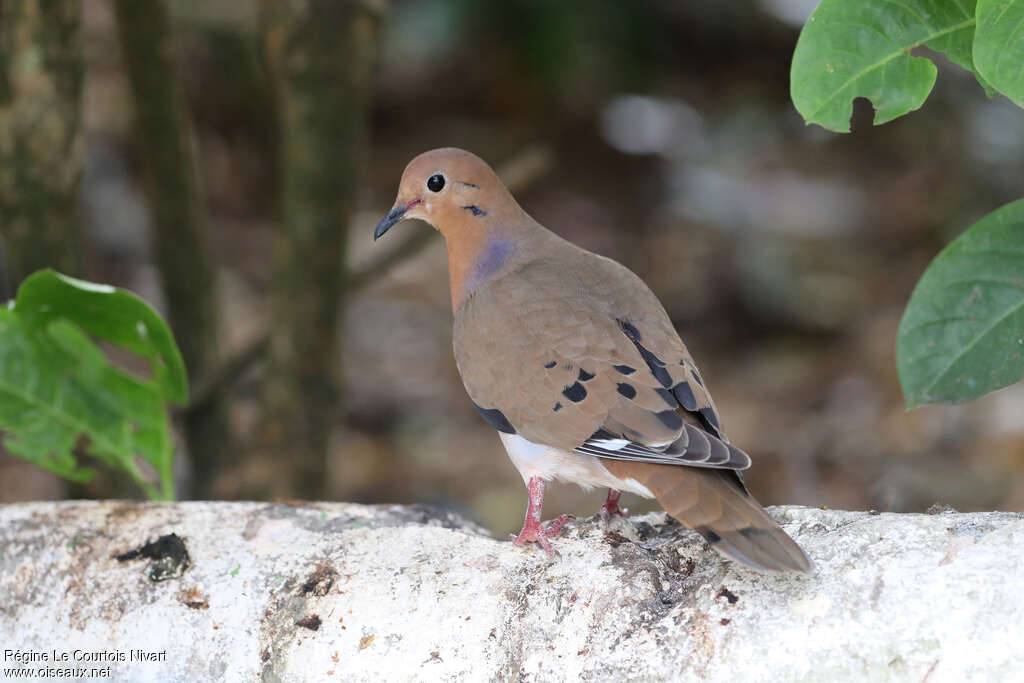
<point x="574" y="361"/>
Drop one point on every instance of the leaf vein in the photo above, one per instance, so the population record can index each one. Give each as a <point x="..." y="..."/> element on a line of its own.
<point x="886" y="60"/>
<point x="971" y="344"/>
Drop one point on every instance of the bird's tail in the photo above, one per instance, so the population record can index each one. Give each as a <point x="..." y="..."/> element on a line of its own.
<point x="714" y="504"/>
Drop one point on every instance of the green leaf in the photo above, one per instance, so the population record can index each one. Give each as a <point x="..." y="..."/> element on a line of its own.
<point x="862" y="49"/>
<point x="59" y="391"/>
<point x="962" y="334"/>
<point x="999" y="46"/>
<point x="107" y="313"/>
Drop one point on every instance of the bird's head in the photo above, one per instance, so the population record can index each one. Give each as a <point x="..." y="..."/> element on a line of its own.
<point x="450" y="189"/>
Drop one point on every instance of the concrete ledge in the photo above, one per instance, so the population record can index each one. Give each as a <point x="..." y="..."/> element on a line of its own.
<point x="331" y="591"/>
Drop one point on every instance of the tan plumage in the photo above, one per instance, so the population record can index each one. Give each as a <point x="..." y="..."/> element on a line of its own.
<point x="716" y="504"/>
<point x="572" y="357"/>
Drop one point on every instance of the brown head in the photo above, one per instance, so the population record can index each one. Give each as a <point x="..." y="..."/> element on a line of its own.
<point x="458" y="194"/>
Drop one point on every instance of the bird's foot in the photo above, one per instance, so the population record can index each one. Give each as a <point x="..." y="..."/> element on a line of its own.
<point x="538" y="533"/>
<point x="607" y="512"/>
<point x="611" y="506"/>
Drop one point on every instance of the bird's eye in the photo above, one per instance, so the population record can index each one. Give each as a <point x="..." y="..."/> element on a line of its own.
<point x="435" y="183"/>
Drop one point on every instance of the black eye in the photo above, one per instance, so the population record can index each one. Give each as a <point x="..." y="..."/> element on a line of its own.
<point x="435" y="183"/>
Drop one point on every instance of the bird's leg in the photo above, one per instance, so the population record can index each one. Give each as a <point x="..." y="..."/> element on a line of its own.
<point x="611" y="506"/>
<point x="533" y="531"/>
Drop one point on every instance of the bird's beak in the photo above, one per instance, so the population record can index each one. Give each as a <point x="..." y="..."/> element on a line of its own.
<point x="395" y="215"/>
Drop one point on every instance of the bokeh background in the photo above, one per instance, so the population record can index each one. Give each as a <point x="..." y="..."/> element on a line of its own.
<point x="656" y="132"/>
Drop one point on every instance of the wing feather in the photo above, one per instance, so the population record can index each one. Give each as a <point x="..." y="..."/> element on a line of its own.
<point x="586" y="359"/>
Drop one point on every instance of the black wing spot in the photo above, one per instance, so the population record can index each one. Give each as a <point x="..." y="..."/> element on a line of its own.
<point x="550" y="364"/>
<point x="693" y="371"/>
<point x="685" y="395"/>
<point x="624" y="369"/>
<point x="656" y="366"/>
<point x="475" y="210"/>
<point x="585" y="376"/>
<point x="627" y="390"/>
<point x="575" y="393"/>
<point x="558" y="406"/>
<point x="496" y="419"/>
<point x="629" y="330"/>
<point x="602" y="435"/>
<point x="668" y="397"/>
<point x="671" y="419"/>
<point x="709" y="418"/>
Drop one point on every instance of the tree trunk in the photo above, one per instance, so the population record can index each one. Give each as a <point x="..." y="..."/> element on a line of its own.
<point x="341" y="592"/>
<point x="41" y="156"/>
<point x="41" y="150"/>
<point x="320" y="55"/>
<point x="164" y="136"/>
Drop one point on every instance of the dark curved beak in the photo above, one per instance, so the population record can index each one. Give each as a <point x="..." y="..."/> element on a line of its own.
<point x="397" y="214"/>
<point x="393" y="217"/>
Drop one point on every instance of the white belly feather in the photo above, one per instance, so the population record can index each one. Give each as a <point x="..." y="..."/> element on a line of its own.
<point x="536" y="460"/>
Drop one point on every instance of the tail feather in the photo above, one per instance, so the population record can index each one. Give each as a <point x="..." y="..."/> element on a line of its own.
<point x="714" y="504"/>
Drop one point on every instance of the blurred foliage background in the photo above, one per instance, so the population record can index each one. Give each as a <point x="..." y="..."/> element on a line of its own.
<point x="233" y="161"/>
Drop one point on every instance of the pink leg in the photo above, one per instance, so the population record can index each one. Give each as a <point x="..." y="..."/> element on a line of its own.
<point x="611" y="506"/>
<point x="533" y="531"/>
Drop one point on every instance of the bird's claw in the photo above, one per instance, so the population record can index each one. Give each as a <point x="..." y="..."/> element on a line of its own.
<point x="540" y="534"/>
<point x="611" y="506"/>
<point x="607" y="512"/>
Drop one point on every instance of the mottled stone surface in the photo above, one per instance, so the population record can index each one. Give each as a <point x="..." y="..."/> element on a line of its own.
<point x="332" y="591"/>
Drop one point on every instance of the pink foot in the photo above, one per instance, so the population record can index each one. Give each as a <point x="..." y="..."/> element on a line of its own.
<point x="611" y="506"/>
<point x="540" y="534"/>
<point x="533" y="531"/>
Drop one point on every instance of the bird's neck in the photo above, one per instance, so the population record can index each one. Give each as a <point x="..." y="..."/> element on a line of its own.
<point x="474" y="261"/>
<point x="488" y="243"/>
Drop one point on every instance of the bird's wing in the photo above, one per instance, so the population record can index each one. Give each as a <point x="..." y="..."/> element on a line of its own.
<point x="579" y="354"/>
